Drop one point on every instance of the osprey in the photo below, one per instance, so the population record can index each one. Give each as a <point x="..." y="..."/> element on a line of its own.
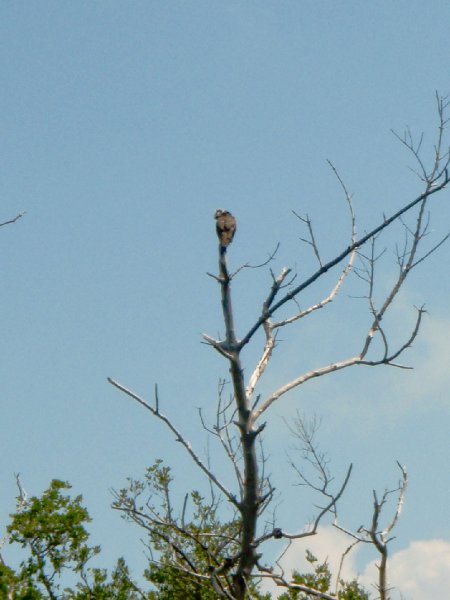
<point x="225" y="228"/>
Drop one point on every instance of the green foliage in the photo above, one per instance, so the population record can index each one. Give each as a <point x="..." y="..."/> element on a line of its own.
<point x="120" y="586"/>
<point x="17" y="586"/>
<point x="352" y="591"/>
<point x="198" y="543"/>
<point x="190" y="550"/>
<point x="51" y="530"/>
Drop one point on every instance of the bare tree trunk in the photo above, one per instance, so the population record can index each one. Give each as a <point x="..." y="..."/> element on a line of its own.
<point x="249" y="502"/>
<point x="382" y="577"/>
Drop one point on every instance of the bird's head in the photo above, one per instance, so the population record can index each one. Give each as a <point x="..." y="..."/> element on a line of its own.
<point x="219" y="212"/>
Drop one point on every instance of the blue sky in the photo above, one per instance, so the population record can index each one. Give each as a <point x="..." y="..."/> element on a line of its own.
<point x="123" y="126"/>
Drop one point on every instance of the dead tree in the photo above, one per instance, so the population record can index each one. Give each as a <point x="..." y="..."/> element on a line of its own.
<point x="253" y="491"/>
<point x="377" y="536"/>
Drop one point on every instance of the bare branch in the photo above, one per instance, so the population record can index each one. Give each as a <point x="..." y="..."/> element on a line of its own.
<point x="431" y="189"/>
<point x="326" y="509"/>
<point x="280" y="581"/>
<point x="263" y="361"/>
<point x="380" y="538"/>
<point x="345" y="271"/>
<point x="219" y="346"/>
<point x="16" y="218"/>
<point x="341" y="564"/>
<point x="221" y="430"/>
<point x="400" y="502"/>
<point x="378" y="315"/>
<point x="336" y="366"/>
<point x="277" y="285"/>
<point x="433" y="249"/>
<point x="311" y="241"/>
<point x="263" y="264"/>
<point x="179" y="438"/>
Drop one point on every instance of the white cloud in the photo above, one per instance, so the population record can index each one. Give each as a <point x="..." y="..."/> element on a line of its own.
<point x="420" y="571"/>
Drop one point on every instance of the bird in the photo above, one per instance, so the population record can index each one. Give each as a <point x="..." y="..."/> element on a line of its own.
<point x="225" y="228"/>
